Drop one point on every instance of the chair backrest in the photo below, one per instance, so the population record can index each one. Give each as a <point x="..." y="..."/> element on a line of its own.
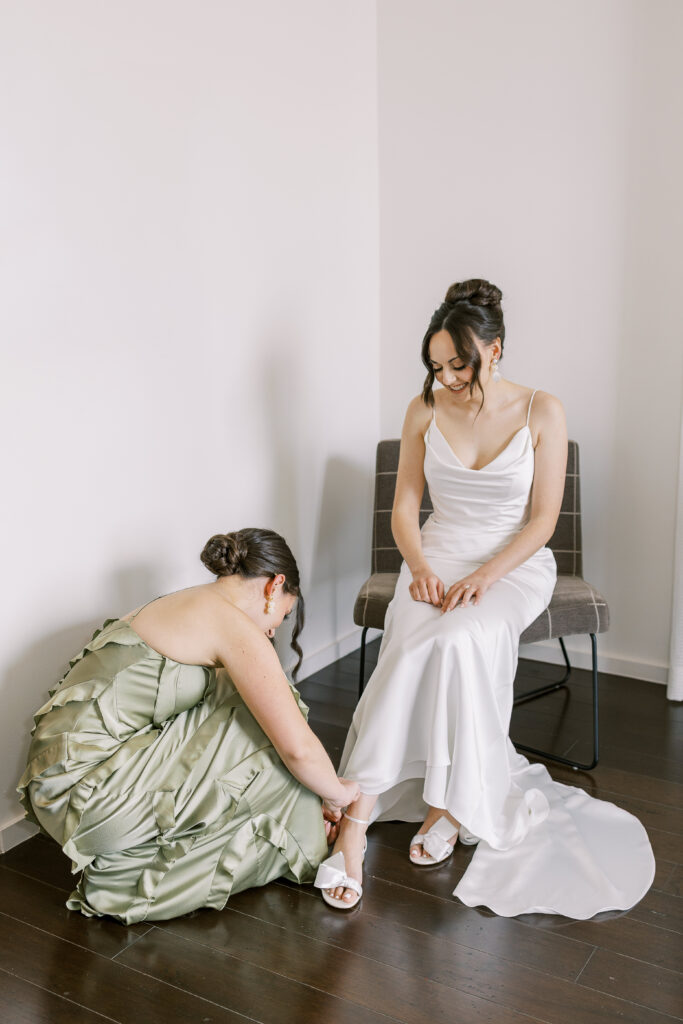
<point x="565" y="543"/>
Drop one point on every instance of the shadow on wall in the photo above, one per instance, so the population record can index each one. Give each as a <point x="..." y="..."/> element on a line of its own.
<point x="46" y="660"/>
<point x="341" y="552"/>
<point x="342" y="548"/>
<point x="324" y="514"/>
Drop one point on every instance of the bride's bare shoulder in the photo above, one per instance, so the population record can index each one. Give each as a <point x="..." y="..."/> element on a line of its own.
<point x="546" y="418"/>
<point x="545" y="404"/>
<point x="418" y="415"/>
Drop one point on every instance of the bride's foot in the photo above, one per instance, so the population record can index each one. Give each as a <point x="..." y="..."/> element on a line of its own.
<point x="443" y="835"/>
<point x="351" y="843"/>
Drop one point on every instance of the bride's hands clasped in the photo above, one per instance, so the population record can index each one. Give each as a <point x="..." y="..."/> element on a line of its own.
<point x="468" y="590"/>
<point x="426" y="586"/>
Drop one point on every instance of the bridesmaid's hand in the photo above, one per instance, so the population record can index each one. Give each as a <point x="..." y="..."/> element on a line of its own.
<point x="426" y="586"/>
<point x="348" y="794"/>
<point x="468" y="590"/>
<point x="331" y="830"/>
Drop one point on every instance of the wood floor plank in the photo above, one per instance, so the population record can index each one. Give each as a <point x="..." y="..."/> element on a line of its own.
<point x="43" y="906"/>
<point x="393" y="929"/>
<point x="674" y="884"/>
<point x="410" y="998"/>
<point x="652" y="815"/>
<point x="440" y="880"/>
<point x="616" y="692"/>
<point x="42" y="859"/>
<point x="665" y="873"/>
<point x="636" y="981"/>
<point x="23" y="1003"/>
<point x="228" y="970"/>
<point x="329" y="714"/>
<point x="558" y="730"/>
<point x="625" y="783"/>
<point x="434" y="997"/>
<point x="95" y="982"/>
<point x="340" y="696"/>
<point x="661" y="909"/>
<point x="621" y="719"/>
<point x="665" y="845"/>
<point x="631" y="937"/>
<point x="332" y="738"/>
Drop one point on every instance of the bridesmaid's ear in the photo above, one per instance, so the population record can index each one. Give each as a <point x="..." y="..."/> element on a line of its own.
<point x="271" y="585"/>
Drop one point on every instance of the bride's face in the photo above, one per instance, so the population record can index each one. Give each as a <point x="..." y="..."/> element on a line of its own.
<point x="448" y="367"/>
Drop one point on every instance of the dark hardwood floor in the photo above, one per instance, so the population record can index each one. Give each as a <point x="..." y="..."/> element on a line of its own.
<point x="411" y="952"/>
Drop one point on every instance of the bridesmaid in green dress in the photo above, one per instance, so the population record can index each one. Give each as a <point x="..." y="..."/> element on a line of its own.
<point x="173" y="762"/>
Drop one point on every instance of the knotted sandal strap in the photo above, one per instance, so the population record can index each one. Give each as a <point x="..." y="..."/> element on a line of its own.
<point x="437" y="840"/>
<point x="332" y="874"/>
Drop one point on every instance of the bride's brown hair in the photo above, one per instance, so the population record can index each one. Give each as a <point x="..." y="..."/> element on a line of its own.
<point x="471" y="308"/>
<point x="252" y="553"/>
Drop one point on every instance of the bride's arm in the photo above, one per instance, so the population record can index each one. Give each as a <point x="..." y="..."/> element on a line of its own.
<point x="405" y="516"/>
<point x="254" y="668"/>
<point x="550" y="466"/>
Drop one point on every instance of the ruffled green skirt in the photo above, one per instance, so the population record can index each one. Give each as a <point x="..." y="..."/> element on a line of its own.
<point x="161" y="787"/>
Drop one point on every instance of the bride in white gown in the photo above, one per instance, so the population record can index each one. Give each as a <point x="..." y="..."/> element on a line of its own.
<point x="429" y="739"/>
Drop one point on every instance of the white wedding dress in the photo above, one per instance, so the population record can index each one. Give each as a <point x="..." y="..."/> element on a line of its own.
<point x="432" y="724"/>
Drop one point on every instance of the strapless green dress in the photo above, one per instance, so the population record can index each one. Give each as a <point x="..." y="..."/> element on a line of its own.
<point x="160" y="785"/>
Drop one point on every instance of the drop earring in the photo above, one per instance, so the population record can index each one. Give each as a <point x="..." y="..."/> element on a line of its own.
<point x="270" y="601"/>
<point x="495" y="374"/>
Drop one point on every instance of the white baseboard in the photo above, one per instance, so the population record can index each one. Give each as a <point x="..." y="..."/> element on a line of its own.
<point x="580" y="657"/>
<point x="15" y="832"/>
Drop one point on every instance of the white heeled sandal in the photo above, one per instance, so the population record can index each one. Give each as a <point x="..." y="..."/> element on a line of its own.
<point x="466" y="837"/>
<point x="332" y="874"/>
<point x="437" y="842"/>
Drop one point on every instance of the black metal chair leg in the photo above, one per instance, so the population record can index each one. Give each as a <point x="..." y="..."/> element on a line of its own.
<point x="532" y="694"/>
<point x="549" y="687"/>
<point x="361" y="674"/>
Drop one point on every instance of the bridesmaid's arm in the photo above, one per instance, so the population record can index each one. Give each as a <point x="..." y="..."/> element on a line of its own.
<point x="550" y="466"/>
<point x="254" y="668"/>
<point x="405" y="516"/>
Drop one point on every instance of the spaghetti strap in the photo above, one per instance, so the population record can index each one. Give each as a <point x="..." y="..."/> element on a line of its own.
<point x="529" y="409"/>
<point x="430" y="424"/>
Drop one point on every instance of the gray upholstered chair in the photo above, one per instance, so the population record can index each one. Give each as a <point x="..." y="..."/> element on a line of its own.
<point x="576" y="606"/>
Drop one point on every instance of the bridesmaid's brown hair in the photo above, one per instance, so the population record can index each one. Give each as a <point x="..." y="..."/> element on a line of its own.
<point x="251" y="553"/>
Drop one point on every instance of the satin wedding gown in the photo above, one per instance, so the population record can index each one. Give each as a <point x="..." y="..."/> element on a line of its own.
<point x="432" y="725"/>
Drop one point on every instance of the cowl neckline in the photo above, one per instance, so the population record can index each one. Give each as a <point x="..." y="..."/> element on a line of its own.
<point x="480" y="469"/>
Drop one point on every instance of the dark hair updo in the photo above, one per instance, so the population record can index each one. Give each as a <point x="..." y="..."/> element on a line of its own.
<point x="253" y="553"/>
<point x="471" y="308"/>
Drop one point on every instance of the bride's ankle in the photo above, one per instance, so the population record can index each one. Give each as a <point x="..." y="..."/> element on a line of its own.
<point x="351" y="828"/>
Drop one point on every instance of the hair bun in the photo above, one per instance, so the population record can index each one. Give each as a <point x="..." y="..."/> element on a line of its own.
<point x="475" y="291"/>
<point x="225" y="554"/>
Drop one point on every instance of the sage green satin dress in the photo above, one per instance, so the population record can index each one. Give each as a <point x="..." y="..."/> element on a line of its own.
<point x="160" y="785"/>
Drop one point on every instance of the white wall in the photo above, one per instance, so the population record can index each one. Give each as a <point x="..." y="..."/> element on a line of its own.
<point x="190" y="295"/>
<point x="538" y="144"/>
